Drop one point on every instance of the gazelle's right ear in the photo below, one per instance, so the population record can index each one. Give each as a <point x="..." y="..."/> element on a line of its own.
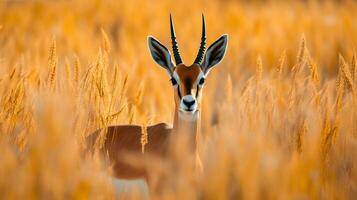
<point x="160" y="54"/>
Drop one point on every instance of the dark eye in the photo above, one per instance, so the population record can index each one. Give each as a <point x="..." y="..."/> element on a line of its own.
<point x="202" y="81"/>
<point x="173" y="81"/>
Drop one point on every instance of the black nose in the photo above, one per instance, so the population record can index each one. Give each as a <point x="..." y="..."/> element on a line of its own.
<point x="188" y="103"/>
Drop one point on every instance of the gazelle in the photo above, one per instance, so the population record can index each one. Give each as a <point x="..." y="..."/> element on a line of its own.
<point x="187" y="82"/>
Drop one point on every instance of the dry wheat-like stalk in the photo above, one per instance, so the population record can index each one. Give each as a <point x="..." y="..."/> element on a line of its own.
<point x="280" y="67"/>
<point x="314" y="74"/>
<point x="131" y="114"/>
<point x="115" y="77"/>
<point x="259" y="70"/>
<point x="347" y="74"/>
<point x="113" y="95"/>
<point x="105" y="42"/>
<point x="354" y="67"/>
<point x="13" y="106"/>
<point x="77" y="67"/>
<point x="12" y="73"/>
<point x="302" y="50"/>
<point x="67" y="70"/>
<point x="101" y="139"/>
<point x="301" y="57"/>
<point x="115" y="115"/>
<point x="52" y="64"/>
<point x="340" y="90"/>
<point x="123" y="88"/>
<point x="329" y="132"/>
<point x="100" y="77"/>
<point x="139" y="94"/>
<point x="302" y="129"/>
<point x="144" y="137"/>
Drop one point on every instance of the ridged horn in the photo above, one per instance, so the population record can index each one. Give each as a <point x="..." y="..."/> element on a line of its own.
<point x="174" y="43"/>
<point x="202" y="48"/>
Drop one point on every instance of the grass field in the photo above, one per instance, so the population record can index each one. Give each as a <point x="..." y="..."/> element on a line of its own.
<point x="279" y="113"/>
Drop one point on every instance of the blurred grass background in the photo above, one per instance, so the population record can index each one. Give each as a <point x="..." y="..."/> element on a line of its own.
<point x="279" y="113"/>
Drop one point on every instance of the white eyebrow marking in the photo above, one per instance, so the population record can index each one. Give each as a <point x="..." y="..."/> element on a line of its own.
<point x="176" y="77"/>
<point x="200" y="75"/>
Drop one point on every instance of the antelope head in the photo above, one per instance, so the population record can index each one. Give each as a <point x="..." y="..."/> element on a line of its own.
<point x="188" y="80"/>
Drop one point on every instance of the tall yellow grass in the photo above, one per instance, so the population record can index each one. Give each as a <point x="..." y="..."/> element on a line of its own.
<point x="279" y="117"/>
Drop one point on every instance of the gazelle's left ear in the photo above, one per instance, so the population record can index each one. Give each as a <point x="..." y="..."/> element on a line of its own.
<point x="215" y="53"/>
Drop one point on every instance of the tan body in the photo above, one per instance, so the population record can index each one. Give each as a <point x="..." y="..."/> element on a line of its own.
<point x="126" y="140"/>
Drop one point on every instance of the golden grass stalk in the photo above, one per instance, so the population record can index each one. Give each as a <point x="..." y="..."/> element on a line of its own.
<point x="347" y="74"/>
<point x="301" y="57"/>
<point x="115" y="78"/>
<point x="52" y="63"/>
<point x="115" y="115"/>
<point x="301" y="132"/>
<point x="354" y="67"/>
<point x="280" y="67"/>
<point x="112" y="94"/>
<point x="12" y="74"/>
<point x="302" y="50"/>
<point x="67" y="70"/>
<point x="77" y="67"/>
<point x="13" y="106"/>
<point x="100" y="77"/>
<point x="259" y="70"/>
<point x="131" y="114"/>
<point x="340" y="90"/>
<point x="314" y="74"/>
<point x="329" y="132"/>
<point x="105" y="42"/>
<point x="144" y="137"/>
<point x="139" y="94"/>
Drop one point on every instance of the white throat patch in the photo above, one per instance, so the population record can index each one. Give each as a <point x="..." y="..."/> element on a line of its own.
<point x="189" y="116"/>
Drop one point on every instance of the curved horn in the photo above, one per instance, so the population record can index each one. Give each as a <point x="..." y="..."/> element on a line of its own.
<point x="174" y="43"/>
<point x="202" y="48"/>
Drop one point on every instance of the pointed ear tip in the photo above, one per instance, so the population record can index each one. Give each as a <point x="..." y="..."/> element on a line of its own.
<point x="151" y="39"/>
<point x="225" y="36"/>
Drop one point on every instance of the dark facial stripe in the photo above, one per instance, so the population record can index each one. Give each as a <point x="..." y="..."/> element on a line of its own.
<point x="188" y="85"/>
<point x="197" y="91"/>
<point x="179" y="93"/>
